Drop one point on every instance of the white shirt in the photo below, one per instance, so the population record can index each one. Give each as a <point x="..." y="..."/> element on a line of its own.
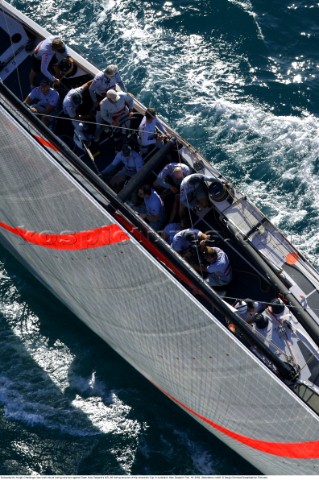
<point x="45" y="53"/>
<point x="147" y="131"/>
<point x="101" y="83"/>
<point x="110" y="110"/>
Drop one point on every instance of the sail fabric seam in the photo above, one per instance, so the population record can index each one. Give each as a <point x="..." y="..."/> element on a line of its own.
<point x="83" y="240"/>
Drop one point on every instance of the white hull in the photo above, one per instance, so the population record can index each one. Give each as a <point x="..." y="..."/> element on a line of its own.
<point x="126" y="296"/>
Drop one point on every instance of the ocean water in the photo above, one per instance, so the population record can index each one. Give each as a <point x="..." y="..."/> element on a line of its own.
<point x="239" y="80"/>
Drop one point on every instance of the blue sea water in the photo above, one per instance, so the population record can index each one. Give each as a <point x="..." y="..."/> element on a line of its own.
<point x="239" y="80"/>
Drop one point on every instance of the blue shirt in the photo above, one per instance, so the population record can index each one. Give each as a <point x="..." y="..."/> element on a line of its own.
<point x="180" y="242"/>
<point x="220" y="271"/>
<point x="44" y="99"/>
<point x="189" y="186"/>
<point x="170" y="230"/>
<point x="154" y="204"/>
<point x="133" y="163"/>
<point x="69" y="107"/>
<point x="168" y="172"/>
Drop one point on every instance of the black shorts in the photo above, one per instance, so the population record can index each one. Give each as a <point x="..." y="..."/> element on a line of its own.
<point x="36" y="64"/>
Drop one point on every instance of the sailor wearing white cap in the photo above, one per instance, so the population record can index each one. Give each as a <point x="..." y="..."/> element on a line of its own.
<point x="115" y="108"/>
<point x="104" y="81"/>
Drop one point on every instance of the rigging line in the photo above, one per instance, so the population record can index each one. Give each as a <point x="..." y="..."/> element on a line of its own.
<point x="254" y="300"/>
<point x="289" y="346"/>
<point x="192" y="225"/>
<point x="291" y="307"/>
<point x="89" y="122"/>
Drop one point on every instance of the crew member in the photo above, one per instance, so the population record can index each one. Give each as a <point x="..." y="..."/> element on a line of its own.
<point x="71" y="106"/>
<point x="104" y="81"/>
<point x="153" y="211"/>
<point x="46" y="56"/>
<point x="171" y="176"/>
<point x="186" y="243"/>
<point x="168" y="181"/>
<point x="115" y="108"/>
<point x="194" y="192"/>
<point x="148" y="129"/>
<point x="44" y="100"/>
<point x="132" y="163"/>
<point x="218" y="266"/>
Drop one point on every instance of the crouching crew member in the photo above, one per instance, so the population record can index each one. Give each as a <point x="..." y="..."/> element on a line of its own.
<point x="194" y="192"/>
<point x="218" y="266"/>
<point x="186" y="243"/>
<point x="172" y="175"/>
<point x="46" y="56"/>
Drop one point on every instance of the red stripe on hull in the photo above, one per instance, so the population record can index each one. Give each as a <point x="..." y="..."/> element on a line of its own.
<point x="99" y="237"/>
<point x="302" y="450"/>
<point x="46" y="143"/>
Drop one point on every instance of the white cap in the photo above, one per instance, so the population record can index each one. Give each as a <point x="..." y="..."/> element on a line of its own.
<point x="112" y="95"/>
